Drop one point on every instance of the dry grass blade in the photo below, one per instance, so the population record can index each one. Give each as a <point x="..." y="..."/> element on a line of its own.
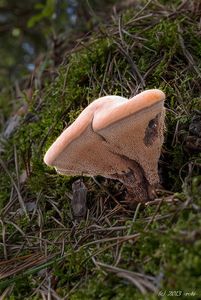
<point x="48" y="292"/>
<point x="134" y="67"/>
<point x="8" y="268"/>
<point x="171" y="199"/>
<point x="105" y="190"/>
<point x="133" y="280"/>
<point x="154" y="215"/>
<point x="53" y="204"/>
<point x="143" y="282"/>
<point x="4" y="239"/>
<point x="105" y="75"/>
<point x="10" y="203"/>
<point x="118" y="238"/>
<point x="21" y="201"/>
<point x="6" y="293"/>
<point x="188" y="55"/>
<point x="130" y="228"/>
<point x="140" y="12"/>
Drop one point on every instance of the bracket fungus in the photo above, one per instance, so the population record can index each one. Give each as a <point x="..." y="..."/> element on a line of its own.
<point x="116" y="138"/>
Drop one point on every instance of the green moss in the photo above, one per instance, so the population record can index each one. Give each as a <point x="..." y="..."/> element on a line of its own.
<point x="100" y="288"/>
<point x="168" y="250"/>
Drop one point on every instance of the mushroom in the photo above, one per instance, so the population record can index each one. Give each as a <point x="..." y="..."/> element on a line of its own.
<point x="116" y="138"/>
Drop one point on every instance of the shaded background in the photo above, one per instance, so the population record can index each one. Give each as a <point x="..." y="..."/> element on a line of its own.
<point x="29" y="28"/>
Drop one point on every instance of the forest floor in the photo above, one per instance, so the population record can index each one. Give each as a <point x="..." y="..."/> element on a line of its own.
<point x="152" y="252"/>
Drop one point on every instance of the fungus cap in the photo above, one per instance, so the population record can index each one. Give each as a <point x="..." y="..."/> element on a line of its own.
<point x="109" y="130"/>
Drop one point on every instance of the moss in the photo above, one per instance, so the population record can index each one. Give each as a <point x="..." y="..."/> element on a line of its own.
<point x="169" y="250"/>
<point x="99" y="288"/>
